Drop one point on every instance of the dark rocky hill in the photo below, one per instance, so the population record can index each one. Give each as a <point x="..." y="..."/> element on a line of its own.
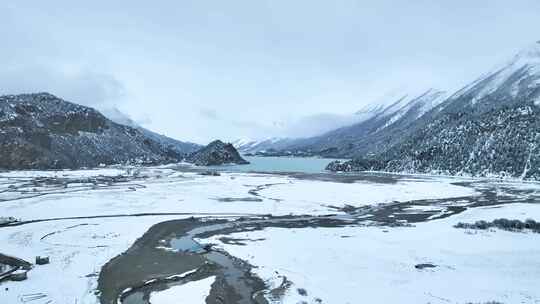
<point x="42" y="131"/>
<point x="216" y="153"/>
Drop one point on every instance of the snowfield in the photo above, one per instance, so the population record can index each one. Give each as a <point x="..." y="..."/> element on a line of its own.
<point x="376" y="265"/>
<point x="77" y="250"/>
<point x="84" y="224"/>
<point x="167" y="191"/>
<point x="193" y="293"/>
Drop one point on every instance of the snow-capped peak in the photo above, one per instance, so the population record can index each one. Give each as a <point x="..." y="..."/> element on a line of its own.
<point x="246" y="144"/>
<point x="422" y="102"/>
<point x="528" y="58"/>
<point x="524" y="65"/>
<point x="379" y="105"/>
<point x="241" y="142"/>
<point x="400" y="103"/>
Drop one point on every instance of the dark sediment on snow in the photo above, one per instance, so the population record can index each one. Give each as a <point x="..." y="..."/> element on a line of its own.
<point x="504" y="224"/>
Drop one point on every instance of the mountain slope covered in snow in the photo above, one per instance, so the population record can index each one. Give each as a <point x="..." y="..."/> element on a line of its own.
<point x="382" y="126"/>
<point x="375" y="126"/>
<point x="253" y="146"/>
<point x="490" y="127"/>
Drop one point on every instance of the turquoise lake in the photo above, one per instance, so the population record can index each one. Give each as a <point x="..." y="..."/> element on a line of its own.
<point x="279" y="164"/>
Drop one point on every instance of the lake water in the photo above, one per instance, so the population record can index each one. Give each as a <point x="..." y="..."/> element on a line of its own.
<point x="279" y="164"/>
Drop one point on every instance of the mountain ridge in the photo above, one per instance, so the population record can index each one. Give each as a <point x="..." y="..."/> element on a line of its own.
<point x="491" y="127"/>
<point x="398" y="108"/>
<point x="42" y="131"/>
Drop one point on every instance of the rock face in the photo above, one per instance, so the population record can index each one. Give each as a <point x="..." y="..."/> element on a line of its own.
<point x="489" y="128"/>
<point x="42" y="131"/>
<point x="216" y="153"/>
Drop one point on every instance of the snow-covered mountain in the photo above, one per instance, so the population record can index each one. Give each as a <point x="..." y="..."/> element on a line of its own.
<point x="254" y="146"/>
<point x="394" y="108"/>
<point x="490" y="127"/>
<point x="507" y="83"/>
<point x="380" y="126"/>
<point x="414" y="105"/>
<point x="244" y="144"/>
<point x="43" y="131"/>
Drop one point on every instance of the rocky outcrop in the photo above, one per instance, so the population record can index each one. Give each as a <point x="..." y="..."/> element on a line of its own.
<point x="216" y="153"/>
<point x="354" y="165"/>
<point x="42" y="131"/>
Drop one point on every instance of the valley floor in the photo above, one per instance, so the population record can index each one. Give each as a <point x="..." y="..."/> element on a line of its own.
<point x="320" y="238"/>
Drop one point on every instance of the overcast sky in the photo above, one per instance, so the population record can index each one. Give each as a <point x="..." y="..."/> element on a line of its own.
<point x="198" y="70"/>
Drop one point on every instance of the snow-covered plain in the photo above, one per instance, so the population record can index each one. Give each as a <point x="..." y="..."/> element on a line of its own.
<point x="168" y="191"/>
<point x="376" y="265"/>
<point x="77" y="249"/>
<point x="327" y="265"/>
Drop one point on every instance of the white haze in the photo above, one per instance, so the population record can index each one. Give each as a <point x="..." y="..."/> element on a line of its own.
<point x="199" y="70"/>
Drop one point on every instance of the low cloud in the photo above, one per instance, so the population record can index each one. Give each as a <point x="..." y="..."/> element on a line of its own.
<point x="209" y="114"/>
<point x="85" y="87"/>
<point x="35" y="59"/>
<point x="318" y="124"/>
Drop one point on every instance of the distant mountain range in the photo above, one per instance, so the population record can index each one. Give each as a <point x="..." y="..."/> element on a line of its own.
<point x="248" y="146"/>
<point x="491" y="127"/>
<point x="376" y="125"/>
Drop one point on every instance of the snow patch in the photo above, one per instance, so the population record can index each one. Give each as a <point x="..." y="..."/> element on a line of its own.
<point x="192" y="292"/>
<point x="537" y="101"/>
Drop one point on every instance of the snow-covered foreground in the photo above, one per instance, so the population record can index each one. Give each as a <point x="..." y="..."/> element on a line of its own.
<point x="376" y="264"/>
<point x="337" y="265"/>
<point x="77" y="250"/>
